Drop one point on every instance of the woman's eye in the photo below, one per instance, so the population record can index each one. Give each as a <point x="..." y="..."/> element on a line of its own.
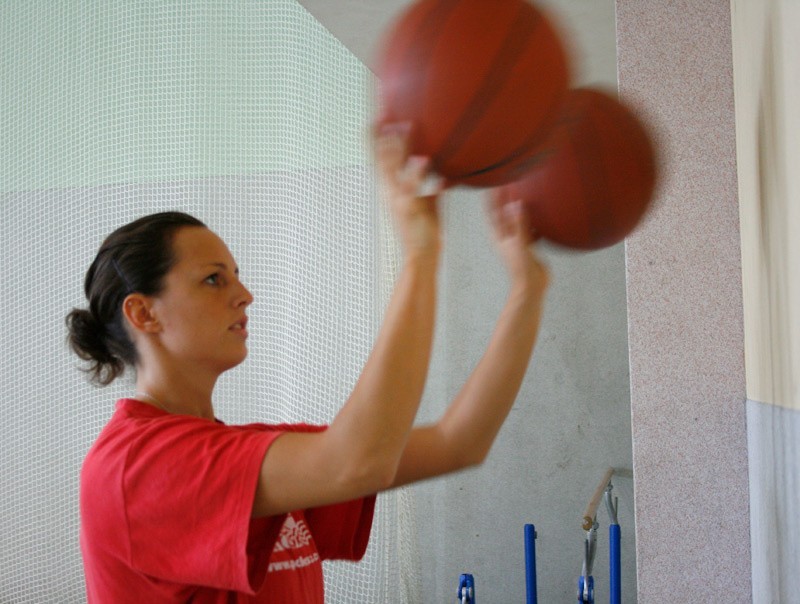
<point x="213" y="279"/>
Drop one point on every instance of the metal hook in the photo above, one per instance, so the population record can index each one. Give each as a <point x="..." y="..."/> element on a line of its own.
<point x="612" y="507"/>
<point x="589" y="550"/>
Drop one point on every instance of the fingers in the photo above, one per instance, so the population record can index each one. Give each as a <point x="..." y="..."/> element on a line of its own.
<point x="406" y="173"/>
<point x="416" y="168"/>
<point x="509" y="217"/>
<point x="412" y="189"/>
<point x="392" y="150"/>
<point x="392" y="142"/>
<point x="515" y="238"/>
<point x="431" y="185"/>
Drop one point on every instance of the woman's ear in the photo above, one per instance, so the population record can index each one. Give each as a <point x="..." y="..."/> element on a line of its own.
<point x="138" y="311"/>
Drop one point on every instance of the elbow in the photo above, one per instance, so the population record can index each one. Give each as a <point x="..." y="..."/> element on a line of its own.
<point x="369" y="474"/>
<point x="382" y="476"/>
<point x="470" y="457"/>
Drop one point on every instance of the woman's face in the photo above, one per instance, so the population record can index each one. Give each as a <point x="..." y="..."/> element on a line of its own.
<point x="201" y="310"/>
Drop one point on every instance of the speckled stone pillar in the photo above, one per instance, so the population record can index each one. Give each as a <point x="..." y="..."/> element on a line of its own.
<point x="685" y="309"/>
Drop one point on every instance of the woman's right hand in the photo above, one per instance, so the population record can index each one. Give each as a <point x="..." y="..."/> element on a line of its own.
<point x="416" y="216"/>
<point x="515" y="242"/>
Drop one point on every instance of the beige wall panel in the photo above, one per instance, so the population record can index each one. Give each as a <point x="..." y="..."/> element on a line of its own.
<point x="766" y="49"/>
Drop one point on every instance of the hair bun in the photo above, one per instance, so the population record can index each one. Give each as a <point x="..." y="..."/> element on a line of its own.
<point x="87" y="338"/>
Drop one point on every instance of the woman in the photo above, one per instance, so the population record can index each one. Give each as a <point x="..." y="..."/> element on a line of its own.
<point x="178" y="507"/>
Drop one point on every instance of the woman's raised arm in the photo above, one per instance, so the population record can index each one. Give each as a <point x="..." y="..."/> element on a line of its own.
<point x="360" y="451"/>
<point x="469" y="426"/>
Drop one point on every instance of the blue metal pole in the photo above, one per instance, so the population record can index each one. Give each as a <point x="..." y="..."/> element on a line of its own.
<point x="615" y="564"/>
<point x="466" y="589"/>
<point x="530" y="564"/>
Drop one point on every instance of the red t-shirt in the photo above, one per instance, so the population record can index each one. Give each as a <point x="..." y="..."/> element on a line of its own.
<point x="165" y="516"/>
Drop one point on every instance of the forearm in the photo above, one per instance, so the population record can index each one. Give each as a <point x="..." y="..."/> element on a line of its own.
<point x="474" y="418"/>
<point x="464" y="435"/>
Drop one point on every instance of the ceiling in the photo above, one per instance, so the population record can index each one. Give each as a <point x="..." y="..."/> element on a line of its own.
<point x="358" y="24"/>
<point x="588" y="26"/>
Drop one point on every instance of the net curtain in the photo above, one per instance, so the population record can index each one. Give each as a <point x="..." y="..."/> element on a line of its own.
<point x="248" y="115"/>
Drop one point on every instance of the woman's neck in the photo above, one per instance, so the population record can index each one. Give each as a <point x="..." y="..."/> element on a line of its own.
<point x="174" y="393"/>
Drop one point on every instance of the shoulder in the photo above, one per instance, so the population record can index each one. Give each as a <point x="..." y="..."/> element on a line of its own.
<point x="140" y="437"/>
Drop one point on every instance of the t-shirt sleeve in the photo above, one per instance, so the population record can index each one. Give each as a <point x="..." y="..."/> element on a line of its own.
<point x="189" y="489"/>
<point x="341" y="531"/>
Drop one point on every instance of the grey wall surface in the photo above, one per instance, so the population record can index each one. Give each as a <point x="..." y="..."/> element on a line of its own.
<point x="773" y="434"/>
<point x="570" y="422"/>
<point x="572" y="418"/>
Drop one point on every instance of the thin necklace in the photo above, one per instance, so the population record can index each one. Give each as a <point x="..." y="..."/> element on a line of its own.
<point x="148" y="397"/>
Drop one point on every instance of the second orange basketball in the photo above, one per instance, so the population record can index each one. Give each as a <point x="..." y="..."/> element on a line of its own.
<point x="481" y="80"/>
<point x="596" y="174"/>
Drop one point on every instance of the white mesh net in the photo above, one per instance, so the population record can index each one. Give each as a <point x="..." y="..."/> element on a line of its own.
<point x="248" y="115"/>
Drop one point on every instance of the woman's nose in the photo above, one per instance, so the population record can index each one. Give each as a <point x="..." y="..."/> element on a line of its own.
<point x="244" y="297"/>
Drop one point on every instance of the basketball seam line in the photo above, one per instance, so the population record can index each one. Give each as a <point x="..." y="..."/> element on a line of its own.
<point x="419" y="54"/>
<point x="592" y="187"/>
<point x="499" y="72"/>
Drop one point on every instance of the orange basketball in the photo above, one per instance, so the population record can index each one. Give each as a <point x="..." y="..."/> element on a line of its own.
<point x="481" y="80"/>
<point x="595" y="176"/>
